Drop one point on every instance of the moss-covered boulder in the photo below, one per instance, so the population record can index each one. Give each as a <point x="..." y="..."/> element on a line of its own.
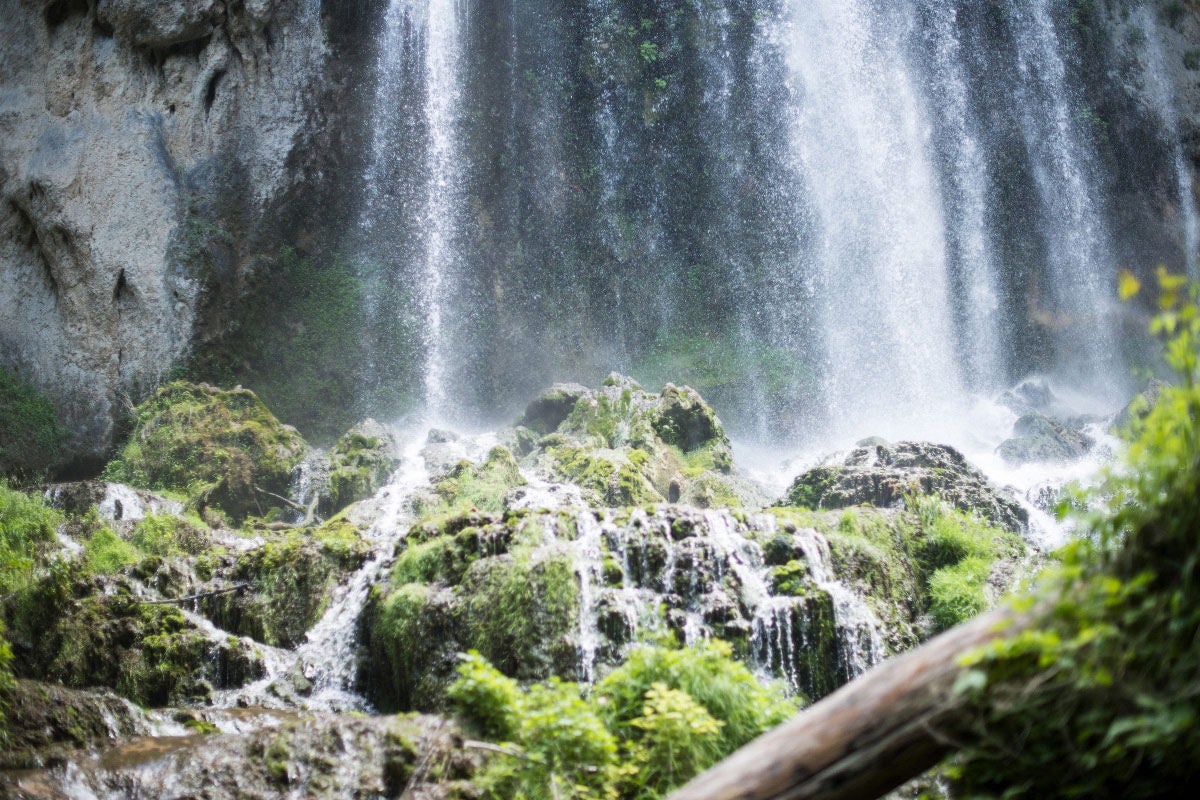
<point x="31" y="438"/>
<point x="289" y="582"/>
<point x="477" y="582"/>
<point x="883" y="475"/>
<point x="82" y="631"/>
<point x="221" y="448"/>
<point x="359" y="464"/>
<point x="623" y="446"/>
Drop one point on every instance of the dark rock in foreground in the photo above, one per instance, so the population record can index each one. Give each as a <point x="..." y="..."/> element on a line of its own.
<point x="320" y="757"/>
<point x="883" y="475"/>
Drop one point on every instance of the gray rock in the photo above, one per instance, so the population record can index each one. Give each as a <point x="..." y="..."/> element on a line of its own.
<point x="1038" y="438"/>
<point x="121" y="121"/>
<point x="1139" y="406"/>
<point x="883" y="476"/>
<point x="552" y="407"/>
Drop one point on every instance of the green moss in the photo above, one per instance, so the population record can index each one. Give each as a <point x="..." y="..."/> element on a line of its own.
<point x="106" y="553"/>
<point x="520" y="612"/>
<point x="476" y="487"/>
<point x="31" y="438"/>
<point x="147" y="653"/>
<point x="219" y="448"/>
<point x="359" y="463"/>
<point x="27" y="529"/>
<point x="292" y="578"/>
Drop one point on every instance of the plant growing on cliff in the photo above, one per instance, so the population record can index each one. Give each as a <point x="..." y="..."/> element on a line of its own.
<point x="31" y="439"/>
<point x="1105" y="688"/>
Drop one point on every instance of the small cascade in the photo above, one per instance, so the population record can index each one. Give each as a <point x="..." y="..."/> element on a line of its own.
<point x="328" y="660"/>
<point x="701" y="574"/>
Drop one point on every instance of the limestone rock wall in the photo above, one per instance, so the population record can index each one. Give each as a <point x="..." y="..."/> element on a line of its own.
<point x="126" y="128"/>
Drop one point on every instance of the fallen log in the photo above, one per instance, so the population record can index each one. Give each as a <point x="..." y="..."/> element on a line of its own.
<point x="214" y="593"/>
<point x="887" y="726"/>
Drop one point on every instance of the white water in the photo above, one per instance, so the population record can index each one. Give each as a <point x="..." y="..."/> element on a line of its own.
<point x="328" y="657"/>
<point x="862" y="140"/>
<point x="1158" y="84"/>
<point x="1079" y="258"/>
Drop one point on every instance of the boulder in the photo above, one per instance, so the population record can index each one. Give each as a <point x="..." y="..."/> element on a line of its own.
<point x="359" y="464"/>
<point x="220" y="448"/>
<point x="1038" y="438"/>
<point x="883" y="476"/>
<point x="1140" y="405"/>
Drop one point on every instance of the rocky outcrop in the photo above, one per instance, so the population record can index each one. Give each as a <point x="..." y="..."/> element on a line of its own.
<point x="323" y="757"/>
<point x="884" y="475"/>
<point x="1037" y="438"/>
<point x="141" y="143"/>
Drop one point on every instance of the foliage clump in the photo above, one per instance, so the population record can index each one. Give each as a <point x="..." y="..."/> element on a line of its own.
<point x="31" y="438"/>
<point x="222" y="449"/>
<point x="1105" y="687"/>
<point x="27" y="528"/>
<point x="648" y="727"/>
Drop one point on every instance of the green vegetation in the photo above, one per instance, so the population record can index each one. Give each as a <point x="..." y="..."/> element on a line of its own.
<point x="31" y="439"/>
<point x="222" y="449"/>
<point x="27" y="527"/>
<point x="476" y="487"/>
<point x="298" y="334"/>
<point x="106" y="553"/>
<point x="649" y="726"/>
<point x="6" y="682"/>
<point x="472" y="583"/>
<point x="359" y="463"/>
<point x="1104" y="687"/>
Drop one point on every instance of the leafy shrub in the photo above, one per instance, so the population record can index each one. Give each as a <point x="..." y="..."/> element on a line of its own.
<point x="31" y="439"/>
<point x="651" y="725"/>
<point x="27" y="525"/>
<point x="1104" y="688"/>
<point x="107" y="553"/>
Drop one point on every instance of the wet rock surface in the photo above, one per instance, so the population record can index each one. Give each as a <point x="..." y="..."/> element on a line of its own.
<point x="883" y="475"/>
<point x="318" y="756"/>
<point x="1038" y="438"/>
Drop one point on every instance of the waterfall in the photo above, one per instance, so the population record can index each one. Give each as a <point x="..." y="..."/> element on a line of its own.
<point x="966" y="189"/>
<point x="1161" y="95"/>
<point x="1079" y="263"/>
<point x="840" y="217"/>
<point x="413" y="182"/>
<point x="862" y="138"/>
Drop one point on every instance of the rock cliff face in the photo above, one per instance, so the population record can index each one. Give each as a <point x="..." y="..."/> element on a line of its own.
<point x="145" y="149"/>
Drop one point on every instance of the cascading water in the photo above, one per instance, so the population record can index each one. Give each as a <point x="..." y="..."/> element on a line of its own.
<point x="1162" y="98"/>
<point x="1079" y="261"/>
<point x="413" y="180"/>
<point x="863" y="144"/>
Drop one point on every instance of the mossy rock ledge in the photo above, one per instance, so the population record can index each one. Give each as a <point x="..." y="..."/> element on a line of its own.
<point x="883" y="475"/>
<point x="624" y="446"/>
<point x="223" y="449"/>
<point x="360" y="462"/>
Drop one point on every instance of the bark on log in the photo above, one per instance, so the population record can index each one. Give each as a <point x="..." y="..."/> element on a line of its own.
<point x="878" y="731"/>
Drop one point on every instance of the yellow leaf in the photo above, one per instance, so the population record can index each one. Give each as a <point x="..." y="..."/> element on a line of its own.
<point x="1127" y="284"/>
